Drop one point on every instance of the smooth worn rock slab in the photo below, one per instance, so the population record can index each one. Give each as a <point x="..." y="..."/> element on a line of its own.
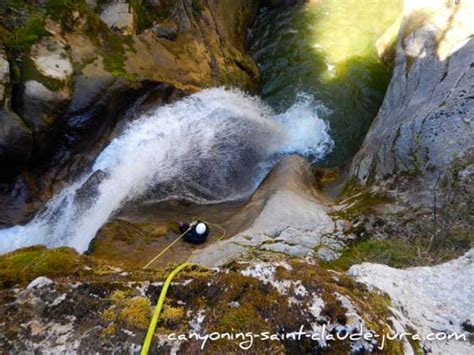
<point x="51" y="59"/>
<point x="292" y="220"/>
<point x="288" y="209"/>
<point x="288" y="249"/>
<point x="327" y="254"/>
<point x="308" y="239"/>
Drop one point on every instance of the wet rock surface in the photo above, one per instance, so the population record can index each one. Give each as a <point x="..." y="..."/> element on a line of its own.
<point x="290" y="217"/>
<point x="70" y="78"/>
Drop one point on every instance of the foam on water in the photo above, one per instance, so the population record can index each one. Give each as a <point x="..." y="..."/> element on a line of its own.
<point x="212" y="146"/>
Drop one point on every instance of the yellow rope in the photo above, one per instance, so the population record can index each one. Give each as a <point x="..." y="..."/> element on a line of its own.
<point x="221" y="228"/>
<point x="159" y="305"/>
<point x="182" y="235"/>
<point x="164" y="290"/>
<point x="166" y="249"/>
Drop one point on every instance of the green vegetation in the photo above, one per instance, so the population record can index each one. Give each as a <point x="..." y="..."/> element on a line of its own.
<point x="231" y="302"/>
<point x="409" y="236"/>
<point x="24" y="265"/>
<point x="144" y="17"/>
<point x="27" y="34"/>
<point x="394" y="253"/>
<point x="58" y="7"/>
<point x="111" y="45"/>
<point x="356" y="200"/>
<point x="114" y="51"/>
<point x="24" y="25"/>
<point x="132" y="311"/>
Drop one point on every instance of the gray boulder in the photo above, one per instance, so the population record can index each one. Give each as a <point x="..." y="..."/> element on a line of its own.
<point x="167" y="30"/>
<point x="46" y="92"/>
<point x="15" y="137"/>
<point x="40" y="105"/>
<point x="51" y="59"/>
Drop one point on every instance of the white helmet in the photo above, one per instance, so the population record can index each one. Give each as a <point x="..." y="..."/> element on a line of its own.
<point x="201" y="228"/>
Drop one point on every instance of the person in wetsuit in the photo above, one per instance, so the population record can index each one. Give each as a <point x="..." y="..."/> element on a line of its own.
<point x="195" y="233"/>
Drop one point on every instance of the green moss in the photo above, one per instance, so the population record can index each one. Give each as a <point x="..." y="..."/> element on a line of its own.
<point x="333" y="309"/>
<point x="58" y="7"/>
<point x="373" y="307"/>
<point x="24" y="265"/>
<point x="415" y="345"/>
<point x="111" y="45"/>
<point x="394" y="253"/>
<point x="114" y="51"/>
<point x="144" y="18"/>
<point x="22" y="38"/>
<point x="137" y="312"/>
<point x="134" y="312"/>
<point x="241" y="319"/>
<point x="360" y="201"/>
<point x="172" y="316"/>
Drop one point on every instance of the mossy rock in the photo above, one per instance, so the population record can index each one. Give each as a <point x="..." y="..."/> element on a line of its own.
<point x="24" y="265"/>
<point x="123" y="242"/>
<point x="132" y="311"/>
<point x="395" y="253"/>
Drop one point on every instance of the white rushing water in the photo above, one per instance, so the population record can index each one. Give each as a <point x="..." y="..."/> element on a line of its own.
<point x="212" y="146"/>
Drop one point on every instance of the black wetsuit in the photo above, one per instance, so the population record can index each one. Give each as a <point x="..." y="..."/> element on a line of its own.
<point x="192" y="236"/>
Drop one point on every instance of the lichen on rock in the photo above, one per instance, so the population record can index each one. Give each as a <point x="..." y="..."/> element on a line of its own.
<point x="272" y="297"/>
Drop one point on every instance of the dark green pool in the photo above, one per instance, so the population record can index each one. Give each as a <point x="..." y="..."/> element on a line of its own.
<point x="326" y="50"/>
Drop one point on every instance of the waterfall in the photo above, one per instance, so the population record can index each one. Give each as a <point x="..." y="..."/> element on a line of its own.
<point x="216" y="145"/>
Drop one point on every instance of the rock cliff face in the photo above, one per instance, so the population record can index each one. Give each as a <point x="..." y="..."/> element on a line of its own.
<point x="425" y="125"/>
<point x="70" y="72"/>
